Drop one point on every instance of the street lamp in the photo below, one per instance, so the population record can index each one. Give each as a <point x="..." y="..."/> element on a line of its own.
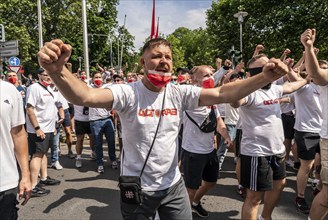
<point x="240" y="15"/>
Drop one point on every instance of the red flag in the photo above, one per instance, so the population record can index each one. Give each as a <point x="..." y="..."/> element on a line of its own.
<point x="152" y="31"/>
<point x="156" y="35"/>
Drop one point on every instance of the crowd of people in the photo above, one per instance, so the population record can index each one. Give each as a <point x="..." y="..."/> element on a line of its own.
<point x="173" y="130"/>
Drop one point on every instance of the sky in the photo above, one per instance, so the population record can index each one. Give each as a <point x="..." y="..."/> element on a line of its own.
<point x="172" y="15"/>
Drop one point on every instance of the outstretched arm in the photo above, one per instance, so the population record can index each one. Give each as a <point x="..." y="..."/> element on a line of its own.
<point x="319" y="76"/>
<point x="52" y="57"/>
<point x="259" y="48"/>
<point x="234" y="91"/>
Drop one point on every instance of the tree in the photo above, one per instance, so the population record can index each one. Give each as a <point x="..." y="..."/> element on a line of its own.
<point x="63" y="19"/>
<point x="277" y="24"/>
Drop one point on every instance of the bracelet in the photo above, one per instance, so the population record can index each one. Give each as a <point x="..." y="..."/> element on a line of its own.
<point x="37" y="128"/>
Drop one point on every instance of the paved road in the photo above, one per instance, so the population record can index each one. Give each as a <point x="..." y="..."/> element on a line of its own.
<point x="85" y="194"/>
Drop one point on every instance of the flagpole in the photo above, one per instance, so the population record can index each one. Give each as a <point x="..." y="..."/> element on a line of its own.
<point x="122" y="42"/>
<point x="152" y="30"/>
<point x="157" y="28"/>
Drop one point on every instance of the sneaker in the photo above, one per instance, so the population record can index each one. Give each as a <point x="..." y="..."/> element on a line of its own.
<point x="49" y="181"/>
<point x="242" y="191"/>
<point x="297" y="165"/>
<point x="57" y="165"/>
<point x="39" y="192"/>
<point x="289" y="163"/>
<point x="114" y="165"/>
<point x="101" y="169"/>
<point x="302" y="206"/>
<point x="93" y="155"/>
<point x="199" y="210"/>
<point x="71" y="155"/>
<point x="78" y="163"/>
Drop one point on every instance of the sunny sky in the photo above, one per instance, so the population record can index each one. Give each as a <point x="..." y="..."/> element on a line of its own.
<point x="172" y="15"/>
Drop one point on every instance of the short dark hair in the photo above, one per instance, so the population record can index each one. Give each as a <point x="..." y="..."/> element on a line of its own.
<point x="254" y="58"/>
<point x="155" y="42"/>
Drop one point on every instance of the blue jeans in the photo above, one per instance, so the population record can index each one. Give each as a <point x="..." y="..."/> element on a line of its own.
<point x="98" y="128"/>
<point x="55" y="146"/>
<point x="222" y="151"/>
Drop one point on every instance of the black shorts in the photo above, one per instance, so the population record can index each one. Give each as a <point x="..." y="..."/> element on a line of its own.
<point x="258" y="173"/>
<point x="82" y="127"/>
<point x="8" y="201"/>
<point x="239" y="135"/>
<point x="198" y="167"/>
<point x="71" y="109"/>
<point x="39" y="145"/>
<point x="67" y="119"/>
<point x="308" y="144"/>
<point x="288" y="122"/>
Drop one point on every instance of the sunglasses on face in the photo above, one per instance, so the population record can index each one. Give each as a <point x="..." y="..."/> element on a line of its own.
<point x="173" y="80"/>
<point x="117" y="80"/>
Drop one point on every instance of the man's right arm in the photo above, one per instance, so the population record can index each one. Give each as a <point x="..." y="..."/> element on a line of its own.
<point x="34" y="121"/>
<point x="319" y="76"/>
<point x="52" y="57"/>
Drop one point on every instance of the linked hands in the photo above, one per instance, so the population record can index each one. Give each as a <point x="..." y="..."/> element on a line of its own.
<point x="54" y="55"/>
<point x="274" y="69"/>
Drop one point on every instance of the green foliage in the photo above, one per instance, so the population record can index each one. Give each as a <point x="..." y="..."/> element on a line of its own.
<point x="277" y="24"/>
<point x="63" y="19"/>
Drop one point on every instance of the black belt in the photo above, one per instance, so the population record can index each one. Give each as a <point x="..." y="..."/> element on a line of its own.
<point x="288" y="113"/>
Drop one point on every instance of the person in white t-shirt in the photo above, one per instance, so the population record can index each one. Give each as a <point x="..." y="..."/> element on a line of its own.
<point x="82" y="125"/>
<point x="40" y="125"/>
<point x="319" y="75"/>
<point x="13" y="147"/>
<point x="262" y="151"/>
<point x="140" y="105"/>
<point x="101" y="123"/>
<point x="200" y="163"/>
<point x="230" y="120"/>
<point x="308" y="121"/>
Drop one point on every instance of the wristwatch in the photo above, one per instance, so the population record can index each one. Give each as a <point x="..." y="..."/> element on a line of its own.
<point x="37" y="128"/>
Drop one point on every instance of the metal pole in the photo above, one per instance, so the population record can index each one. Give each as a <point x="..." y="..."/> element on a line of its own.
<point x="122" y="43"/>
<point x="118" y="51"/>
<point x="111" y="53"/>
<point x="241" y="38"/>
<point x="85" y="39"/>
<point x="40" y="24"/>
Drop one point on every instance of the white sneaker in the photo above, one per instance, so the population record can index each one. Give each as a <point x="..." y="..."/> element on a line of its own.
<point x="78" y="163"/>
<point x="101" y="169"/>
<point x="114" y="165"/>
<point x="57" y="165"/>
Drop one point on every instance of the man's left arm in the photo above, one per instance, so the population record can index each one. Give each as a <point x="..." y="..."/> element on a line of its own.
<point x="293" y="86"/>
<point x="19" y="138"/>
<point x="234" y="91"/>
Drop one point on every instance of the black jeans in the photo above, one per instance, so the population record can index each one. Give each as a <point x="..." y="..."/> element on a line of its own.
<point x="8" y="202"/>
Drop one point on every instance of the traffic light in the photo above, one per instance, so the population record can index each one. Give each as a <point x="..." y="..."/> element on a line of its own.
<point x="238" y="57"/>
<point x="2" y="33"/>
<point x="4" y="68"/>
